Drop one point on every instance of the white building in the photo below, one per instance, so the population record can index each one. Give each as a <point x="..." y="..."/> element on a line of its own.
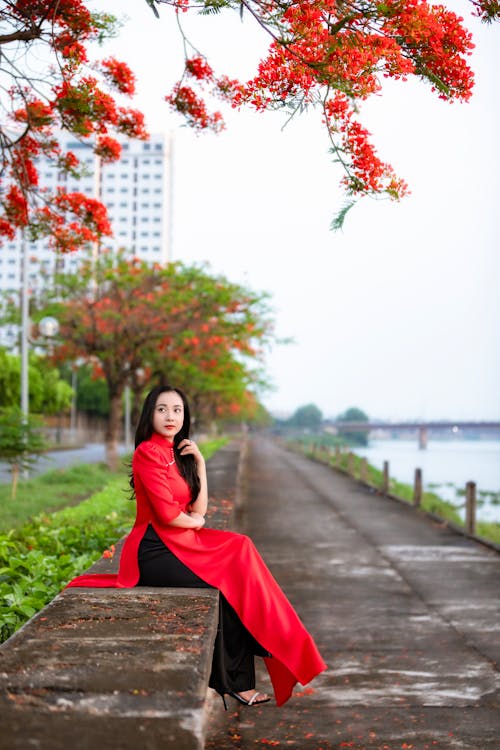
<point x="136" y="192"/>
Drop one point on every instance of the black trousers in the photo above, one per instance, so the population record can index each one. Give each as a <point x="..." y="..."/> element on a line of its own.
<point x="233" y="667"/>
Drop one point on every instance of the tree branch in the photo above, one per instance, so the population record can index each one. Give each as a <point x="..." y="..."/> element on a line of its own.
<point x="25" y="35"/>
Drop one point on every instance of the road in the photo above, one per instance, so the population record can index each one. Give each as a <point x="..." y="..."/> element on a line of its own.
<point x="88" y="454"/>
<point x="406" y="613"/>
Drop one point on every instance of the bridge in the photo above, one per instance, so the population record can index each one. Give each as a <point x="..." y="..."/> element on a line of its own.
<point x="421" y="428"/>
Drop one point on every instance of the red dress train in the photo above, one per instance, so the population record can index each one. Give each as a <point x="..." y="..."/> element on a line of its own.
<point x="224" y="559"/>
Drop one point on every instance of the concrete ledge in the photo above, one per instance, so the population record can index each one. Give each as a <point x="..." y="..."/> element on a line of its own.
<point x="117" y="668"/>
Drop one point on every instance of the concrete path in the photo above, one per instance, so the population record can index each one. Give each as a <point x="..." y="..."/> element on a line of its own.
<point x="405" y="612"/>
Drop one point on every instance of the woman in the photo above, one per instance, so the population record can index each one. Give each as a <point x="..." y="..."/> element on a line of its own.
<point x="170" y="546"/>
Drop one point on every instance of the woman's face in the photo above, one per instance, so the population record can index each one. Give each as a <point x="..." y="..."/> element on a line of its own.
<point x="168" y="415"/>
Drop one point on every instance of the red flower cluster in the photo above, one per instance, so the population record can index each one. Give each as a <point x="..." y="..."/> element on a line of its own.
<point x="333" y="54"/>
<point x="109" y="553"/>
<point x="120" y="75"/>
<point x="367" y="174"/>
<point x="70" y="98"/>
<point x="199" y="68"/>
<point x="189" y="104"/>
<point x="108" y="148"/>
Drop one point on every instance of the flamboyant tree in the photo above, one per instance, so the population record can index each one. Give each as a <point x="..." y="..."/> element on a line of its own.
<point x="328" y="54"/>
<point x="137" y="324"/>
<point x="332" y="55"/>
<point x="48" y="83"/>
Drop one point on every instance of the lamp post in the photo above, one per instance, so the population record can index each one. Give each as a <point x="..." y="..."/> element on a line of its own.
<point x="49" y="328"/>
<point x="25" y="326"/>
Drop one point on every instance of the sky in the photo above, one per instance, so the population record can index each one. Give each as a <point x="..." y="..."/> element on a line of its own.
<point x="397" y="314"/>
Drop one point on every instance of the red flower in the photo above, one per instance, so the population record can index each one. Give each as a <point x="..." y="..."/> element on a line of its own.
<point x="108" y="148"/>
<point x="199" y="69"/>
<point x="120" y="75"/>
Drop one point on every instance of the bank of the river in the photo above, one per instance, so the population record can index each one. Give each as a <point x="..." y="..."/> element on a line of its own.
<point x="321" y="448"/>
<point x="446" y="467"/>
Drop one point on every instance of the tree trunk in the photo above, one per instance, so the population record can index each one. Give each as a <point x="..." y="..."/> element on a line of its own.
<point x="113" y="429"/>
<point x="137" y="399"/>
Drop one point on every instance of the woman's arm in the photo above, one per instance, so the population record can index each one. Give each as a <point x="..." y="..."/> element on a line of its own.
<point x="188" y="521"/>
<point x="199" y="505"/>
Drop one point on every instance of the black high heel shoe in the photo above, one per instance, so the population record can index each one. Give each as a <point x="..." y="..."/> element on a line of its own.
<point x="251" y="702"/>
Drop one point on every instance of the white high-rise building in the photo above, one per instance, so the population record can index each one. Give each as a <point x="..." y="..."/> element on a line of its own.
<point x="136" y="191"/>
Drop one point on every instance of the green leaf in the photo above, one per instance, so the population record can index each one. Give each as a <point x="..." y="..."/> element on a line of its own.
<point x="338" y="221"/>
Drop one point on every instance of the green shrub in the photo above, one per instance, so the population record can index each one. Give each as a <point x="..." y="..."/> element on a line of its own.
<point x="38" y="558"/>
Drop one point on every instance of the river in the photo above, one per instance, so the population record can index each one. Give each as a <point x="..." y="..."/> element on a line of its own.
<point x="446" y="466"/>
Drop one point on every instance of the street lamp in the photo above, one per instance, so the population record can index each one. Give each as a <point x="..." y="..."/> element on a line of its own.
<point x="48" y="327"/>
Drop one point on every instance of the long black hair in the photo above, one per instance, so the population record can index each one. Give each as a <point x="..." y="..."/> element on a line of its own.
<point x="185" y="464"/>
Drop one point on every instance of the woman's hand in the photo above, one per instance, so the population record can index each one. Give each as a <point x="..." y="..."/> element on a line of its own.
<point x="199" y="504"/>
<point x="200" y="520"/>
<point x="189" y="448"/>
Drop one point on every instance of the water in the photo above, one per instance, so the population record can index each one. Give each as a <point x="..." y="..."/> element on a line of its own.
<point x="448" y="464"/>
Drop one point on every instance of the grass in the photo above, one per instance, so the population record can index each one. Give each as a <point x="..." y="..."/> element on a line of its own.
<point x="51" y="491"/>
<point x="209" y="447"/>
<point x="60" y="488"/>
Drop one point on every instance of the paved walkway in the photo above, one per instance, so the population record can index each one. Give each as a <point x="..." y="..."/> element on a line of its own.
<point x="405" y="612"/>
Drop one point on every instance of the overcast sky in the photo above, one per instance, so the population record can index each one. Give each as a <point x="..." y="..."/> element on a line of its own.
<point x="399" y="313"/>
